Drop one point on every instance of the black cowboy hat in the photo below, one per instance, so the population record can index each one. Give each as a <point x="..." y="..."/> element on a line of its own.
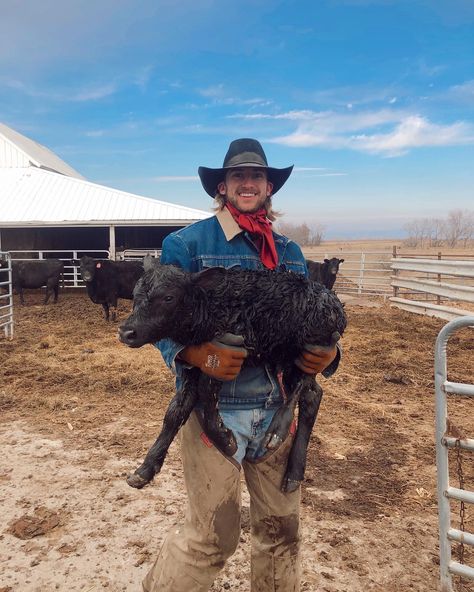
<point x="244" y="152"/>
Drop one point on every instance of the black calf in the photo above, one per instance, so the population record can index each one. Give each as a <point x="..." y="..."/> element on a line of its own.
<point x="277" y="314"/>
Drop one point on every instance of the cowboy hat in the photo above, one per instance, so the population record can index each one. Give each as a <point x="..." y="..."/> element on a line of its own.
<point x="244" y="152"/>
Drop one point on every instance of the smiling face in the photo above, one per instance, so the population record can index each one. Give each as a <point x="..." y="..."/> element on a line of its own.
<point x="246" y="188"/>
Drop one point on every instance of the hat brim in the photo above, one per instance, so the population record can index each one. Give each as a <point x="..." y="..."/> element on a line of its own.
<point x="210" y="178"/>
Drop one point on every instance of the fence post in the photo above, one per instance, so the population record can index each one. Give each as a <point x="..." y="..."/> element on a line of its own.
<point x="438" y="298"/>
<point x="395" y="271"/>
<point x="361" y="273"/>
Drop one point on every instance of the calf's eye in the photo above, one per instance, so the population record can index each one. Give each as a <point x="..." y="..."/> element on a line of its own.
<point x="168" y="298"/>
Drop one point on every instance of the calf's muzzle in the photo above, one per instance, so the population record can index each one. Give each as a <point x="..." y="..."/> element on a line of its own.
<point x="129" y="337"/>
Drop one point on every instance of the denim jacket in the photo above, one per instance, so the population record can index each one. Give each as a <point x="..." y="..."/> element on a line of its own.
<point x="218" y="241"/>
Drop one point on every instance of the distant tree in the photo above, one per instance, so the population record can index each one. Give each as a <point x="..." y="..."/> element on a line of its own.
<point x="316" y="235"/>
<point x="459" y="226"/>
<point x="302" y="233"/>
<point x="418" y="232"/>
<point x="437" y="230"/>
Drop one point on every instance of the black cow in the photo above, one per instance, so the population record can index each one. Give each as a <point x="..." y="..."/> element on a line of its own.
<point x="107" y="281"/>
<point x="36" y="274"/>
<point x="324" y="273"/>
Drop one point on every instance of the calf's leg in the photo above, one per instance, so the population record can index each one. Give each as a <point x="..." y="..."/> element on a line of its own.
<point x="278" y="429"/>
<point x="214" y="427"/>
<point x="309" y="401"/>
<point x="176" y="415"/>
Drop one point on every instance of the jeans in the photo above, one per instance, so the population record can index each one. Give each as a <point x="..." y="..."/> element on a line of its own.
<point x="249" y="427"/>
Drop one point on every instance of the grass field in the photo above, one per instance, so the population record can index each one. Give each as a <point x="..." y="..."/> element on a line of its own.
<point x="332" y="247"/>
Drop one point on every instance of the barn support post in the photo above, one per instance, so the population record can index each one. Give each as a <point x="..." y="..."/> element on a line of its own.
<point x="112" y="250"/>
<point x="443" y="387"/>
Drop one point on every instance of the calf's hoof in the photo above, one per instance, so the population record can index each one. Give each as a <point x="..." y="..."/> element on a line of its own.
<point x="136" y="481"/>
<point x="141" y="477"/>
<point x="225" y="440"/>
<point x="290" y="485"/>
<point x="228" y="444"/>
<point x="272" y="441"/>
<point x="231" y="448"/>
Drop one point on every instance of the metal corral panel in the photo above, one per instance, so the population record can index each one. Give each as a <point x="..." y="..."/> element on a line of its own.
<point x="431" y="310"/>
<point x="459" y="268"/>
<point x="36" y="197"/>
<point x="17" y="150"/>
<point x="453" y="291"/>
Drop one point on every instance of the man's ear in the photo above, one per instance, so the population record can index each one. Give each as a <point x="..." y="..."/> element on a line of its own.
<point x="221" y="188"/>
<point x="269" y="188"/>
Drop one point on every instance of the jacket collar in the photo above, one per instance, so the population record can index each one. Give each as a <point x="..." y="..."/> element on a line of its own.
<point x="228" y="224"/>
<point x="231" y="228"/>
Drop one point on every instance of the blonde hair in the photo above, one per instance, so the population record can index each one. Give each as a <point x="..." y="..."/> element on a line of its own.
<point x="272" y="214"/>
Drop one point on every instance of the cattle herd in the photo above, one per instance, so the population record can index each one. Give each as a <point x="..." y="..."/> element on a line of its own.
<point x="106" y="281"/>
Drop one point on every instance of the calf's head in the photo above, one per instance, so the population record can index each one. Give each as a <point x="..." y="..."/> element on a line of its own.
<point x="157" y="305"/>
<point x="170" y="303"/>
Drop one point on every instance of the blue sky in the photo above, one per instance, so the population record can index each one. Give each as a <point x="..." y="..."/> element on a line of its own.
<point x="371" y="100"/>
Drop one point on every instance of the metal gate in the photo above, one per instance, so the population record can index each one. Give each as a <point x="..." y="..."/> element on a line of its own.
<point x="6" y="299"/>
<point x="444" y="442"/>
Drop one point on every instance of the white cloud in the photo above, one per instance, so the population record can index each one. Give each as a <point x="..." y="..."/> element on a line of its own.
<point x="91" y="93"/>
<point x="317" y="172"/>
<point x="94" y="133"/>
<point x="304" y="169"/>
<point x="87" y="93"/>
<point x="463" y="92"/>
<point x="143" y="77"/>
<point x="387" y="131"/>
<point x="175" y="178"/>
<point x="221" y="96"/>
<point x="415" y="132"/>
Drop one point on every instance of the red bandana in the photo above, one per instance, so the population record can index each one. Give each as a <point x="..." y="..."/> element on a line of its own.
<point x="260" y="228"/>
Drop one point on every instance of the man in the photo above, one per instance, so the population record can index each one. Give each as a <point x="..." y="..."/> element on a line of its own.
<point x="239" y="234"/>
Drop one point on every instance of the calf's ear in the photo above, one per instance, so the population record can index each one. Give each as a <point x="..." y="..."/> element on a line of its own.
<point x="341" y="260"/>
<point x="150" y="262"/>
<point x="326" y="261"/>
<point x="209" y="278"/>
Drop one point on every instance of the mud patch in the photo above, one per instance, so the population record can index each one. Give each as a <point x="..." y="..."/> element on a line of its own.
<point x="41" y="522"/>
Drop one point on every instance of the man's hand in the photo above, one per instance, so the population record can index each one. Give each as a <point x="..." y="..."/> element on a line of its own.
<point x="220" y="358"/>
<point x="315" y="358"/>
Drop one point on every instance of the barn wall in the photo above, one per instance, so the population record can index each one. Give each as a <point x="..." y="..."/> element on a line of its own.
<point x="42" y="239"/>
<point x="83" y="238"/>
<point x="141" y="237"/>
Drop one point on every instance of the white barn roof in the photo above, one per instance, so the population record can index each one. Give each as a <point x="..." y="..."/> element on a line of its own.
<point x="37" y="197"/>
<point x="17" y="150"/>
<point x="37" y="188"/>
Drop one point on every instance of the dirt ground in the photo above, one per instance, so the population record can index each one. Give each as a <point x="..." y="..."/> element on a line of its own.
<point x="79" y="410"/>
